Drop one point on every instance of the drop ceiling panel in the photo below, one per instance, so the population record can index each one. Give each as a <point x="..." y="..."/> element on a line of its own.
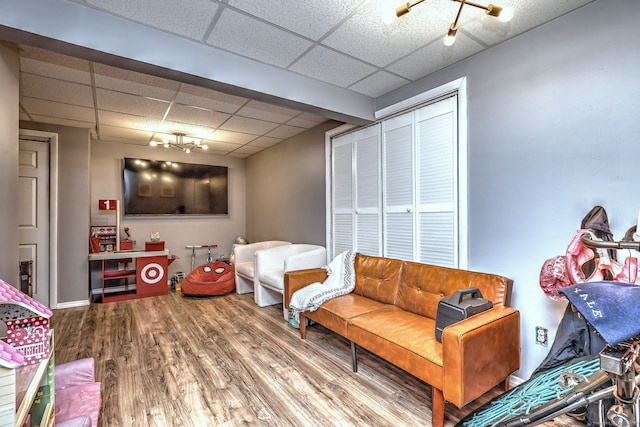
<point x="197" y="116"/>
<point x="263" y="111"/>
<point x="125" y="103"/>
<point x="143" y="137"/>
<point x="365" y="37"/>
<point x="247" y="125"/>
<point x="119" y="80"/>
<point x="306" y="120"/>
<point x="310" y="18"/>
<point x="188" y="18"/>
<point x="232" y="137"/>
<point x="56" y="90"/>
<point x="49" y="64"/>
<point x="284" y="132"/>
<point x="378" y="84"/>
<point x="190" y="130"/>
<point x="63" y="122"/>
<point x="254" y="39"/>
<point x="265" y="141"/>
<point x="434" y="57"/>
<point x="57" y="109"/>
<point x="337" y="68"/>
<point x="211" y="99"/>
<point x="132" y="121"/>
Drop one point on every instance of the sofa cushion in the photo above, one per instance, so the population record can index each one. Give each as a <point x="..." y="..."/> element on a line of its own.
<point x="405" y="339"/>
<point x="334" y="314"/>
<point x="377" y="278"/>
<point x="245" y="269"/>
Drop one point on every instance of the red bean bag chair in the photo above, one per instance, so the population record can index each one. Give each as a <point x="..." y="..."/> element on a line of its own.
<point x="214" y="278"/>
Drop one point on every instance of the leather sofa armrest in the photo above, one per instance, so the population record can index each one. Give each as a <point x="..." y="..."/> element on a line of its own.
<point x="298" y="279"/>
<point x="479" y="353"/>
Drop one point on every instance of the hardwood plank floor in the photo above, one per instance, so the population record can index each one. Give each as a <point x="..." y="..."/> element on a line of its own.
<point x="224" y="361"/>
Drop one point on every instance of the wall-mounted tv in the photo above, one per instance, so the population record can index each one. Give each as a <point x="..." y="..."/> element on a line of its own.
<point x="155" y="187"/>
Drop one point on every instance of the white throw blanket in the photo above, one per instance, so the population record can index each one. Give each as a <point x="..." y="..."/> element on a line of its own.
<point x="340" y="281"/>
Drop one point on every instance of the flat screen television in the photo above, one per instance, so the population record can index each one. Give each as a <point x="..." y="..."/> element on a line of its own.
<point x="155" y="187"/>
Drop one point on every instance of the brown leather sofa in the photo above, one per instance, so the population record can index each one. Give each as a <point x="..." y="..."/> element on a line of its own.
<point x="392" y="313"/>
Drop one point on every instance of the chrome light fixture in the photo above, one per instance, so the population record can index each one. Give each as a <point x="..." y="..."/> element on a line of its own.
<point x="181" y="143"/>
<point x="450" y="38"/>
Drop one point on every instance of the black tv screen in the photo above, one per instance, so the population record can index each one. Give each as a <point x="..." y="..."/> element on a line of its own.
<point x="155" y="187"/>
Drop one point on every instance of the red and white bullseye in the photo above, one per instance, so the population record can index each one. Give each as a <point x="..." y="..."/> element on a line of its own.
<point x="152" y="273"/>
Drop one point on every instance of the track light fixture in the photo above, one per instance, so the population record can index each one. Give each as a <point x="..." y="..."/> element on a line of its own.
<point x="180" y="143"/>
<point x="450" y="38"/>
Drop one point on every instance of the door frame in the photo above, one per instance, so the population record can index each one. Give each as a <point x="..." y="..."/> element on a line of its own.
<point x="52" y="139"/>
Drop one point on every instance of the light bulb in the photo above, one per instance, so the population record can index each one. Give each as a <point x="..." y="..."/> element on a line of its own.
<point x="153" y="143"/>
<point x="506" y="15"/>
<point x="205" y="147"/>
<point x="449" y="40"/>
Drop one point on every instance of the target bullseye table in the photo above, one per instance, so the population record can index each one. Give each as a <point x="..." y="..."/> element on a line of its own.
<point x="150" y="274"/>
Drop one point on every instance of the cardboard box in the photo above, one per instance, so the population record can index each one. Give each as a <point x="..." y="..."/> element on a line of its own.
<point x="154" y="246"/>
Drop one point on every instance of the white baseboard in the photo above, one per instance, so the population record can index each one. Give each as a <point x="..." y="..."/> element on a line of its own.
<point x="72" y="304"/>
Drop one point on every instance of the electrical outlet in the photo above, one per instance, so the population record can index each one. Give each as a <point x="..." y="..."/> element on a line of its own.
<point x="542" y="336"/>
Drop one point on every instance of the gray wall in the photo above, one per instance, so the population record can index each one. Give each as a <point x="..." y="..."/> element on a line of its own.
<point x="73" y="209"/>
<point x="553" y="130"/>
<point x="286" y="189"/>
<point x="9" y="68"/>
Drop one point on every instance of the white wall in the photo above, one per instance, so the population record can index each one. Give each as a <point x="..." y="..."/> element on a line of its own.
<point x="9" y="67"/>
<point x="553" y="130"/>
<point x="177" y="232"/>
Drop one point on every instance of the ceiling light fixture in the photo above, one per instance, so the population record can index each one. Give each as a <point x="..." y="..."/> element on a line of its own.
<point x="180" y="143"/>
<point x="492" y="10"/>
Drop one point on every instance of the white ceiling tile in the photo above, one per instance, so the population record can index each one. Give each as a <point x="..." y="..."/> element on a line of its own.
<point x="56" y="109"/>
<point x="196" y="116"/>
<point x="220" y="146"/>
<point x="56" y="90"/>
<point x="49" y="64"/>
<point x="310" y="18"/>
<point x="211" y="99"/>
<point x="247" y="125"/>
<point x="255" y="39"/>
<point x="307" y="120"/>
<point x="107" y="138"/>
<point x="378" y="84"/>
<point x="193" y="131"/>
<point x="112" y="118"/>
<point x="63" y="122"/>
<point x="131" y="104"/>
<point x="284" y="132"/>
<point x="365" y="38"/>
<point x="132" y="134"/>
<point x="435" y="56"/>
<point x="233" y="137"/>
<point x="248" y="149"/>
<point x="188" y="18"/>
<point x="263" y="111"/>
<point x="265" y="141"/>
<point x="119" y="80"/>
<point x="336" y="68"/>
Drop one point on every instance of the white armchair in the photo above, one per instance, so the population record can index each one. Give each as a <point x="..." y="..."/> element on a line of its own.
<point x="271" y="264"/>
<point x="244" y="263"/>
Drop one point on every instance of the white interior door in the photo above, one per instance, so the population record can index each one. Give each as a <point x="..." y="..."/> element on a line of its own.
<point x="33" y="199"/>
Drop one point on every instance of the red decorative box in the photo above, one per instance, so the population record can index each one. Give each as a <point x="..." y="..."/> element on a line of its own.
<point x="154" y="246"/>
<point x="126" y="245"/>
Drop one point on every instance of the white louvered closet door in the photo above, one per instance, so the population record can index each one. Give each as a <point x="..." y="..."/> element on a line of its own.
<point x="342" y="193"/>
<point x="368" y="226"/>
<point x="437" y="185"/>
<point x="398" y="191"/>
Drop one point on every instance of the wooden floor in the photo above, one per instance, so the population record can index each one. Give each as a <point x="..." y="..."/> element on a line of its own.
<point x="223" y="361"/>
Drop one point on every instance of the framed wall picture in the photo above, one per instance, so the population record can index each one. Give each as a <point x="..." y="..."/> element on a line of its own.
<point x="144" y="189"/>
<point x="167" y="190"/>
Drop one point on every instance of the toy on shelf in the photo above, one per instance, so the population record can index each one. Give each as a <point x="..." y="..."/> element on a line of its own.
<point x="27" y="323"/>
